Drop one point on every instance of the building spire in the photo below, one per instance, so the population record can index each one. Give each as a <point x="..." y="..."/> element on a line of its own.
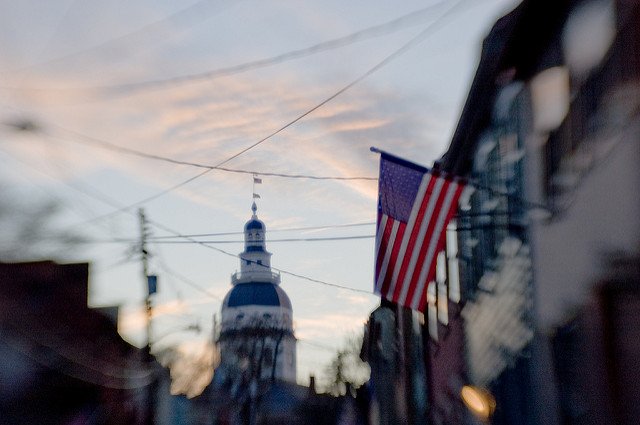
<point x="255" y="260"/>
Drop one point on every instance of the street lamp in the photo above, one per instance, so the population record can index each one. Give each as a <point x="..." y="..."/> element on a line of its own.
<point x="479" y="401"/>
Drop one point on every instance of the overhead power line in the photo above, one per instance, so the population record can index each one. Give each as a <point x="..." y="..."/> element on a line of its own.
<point x="410" y="19"/>
<point x="281" y="271"/>
<point x="318" y="345"/>
<point x="84" y="139"/>
<point x="405" y="47"/>
<point x="177" y="234"/>
<point x="189" y="282"/>
<point x="335" y="238"/>
<point x="182" y="17"/>
<point x="289" y="229"/>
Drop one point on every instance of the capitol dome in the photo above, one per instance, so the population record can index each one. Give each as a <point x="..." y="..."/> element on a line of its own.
<point x="257" y="294"/>
<point x="257" y="312"/>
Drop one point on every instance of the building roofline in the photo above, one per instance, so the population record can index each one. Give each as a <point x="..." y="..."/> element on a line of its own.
<point x="513" y="50"/>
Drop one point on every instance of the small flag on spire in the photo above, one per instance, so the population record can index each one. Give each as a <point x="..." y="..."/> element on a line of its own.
<point x="256" y="196"/>
<point x="257" y="180"/>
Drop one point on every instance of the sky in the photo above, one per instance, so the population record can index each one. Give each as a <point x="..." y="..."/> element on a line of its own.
<point x="112" y="107"/>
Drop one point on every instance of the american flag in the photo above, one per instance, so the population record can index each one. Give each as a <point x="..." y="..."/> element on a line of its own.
<point x="414" y="207"/>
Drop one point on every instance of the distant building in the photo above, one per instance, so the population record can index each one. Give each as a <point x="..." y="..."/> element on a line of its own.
<point x="256" y="336"/>
<point x="255" y="382"/>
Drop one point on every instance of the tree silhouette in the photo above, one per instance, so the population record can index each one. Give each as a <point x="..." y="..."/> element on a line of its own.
<point x="346" y="369"/>
<point x="29" y="230"/>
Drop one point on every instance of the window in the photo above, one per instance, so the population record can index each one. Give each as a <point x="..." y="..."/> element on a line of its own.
<point x="432" y="310"/>
<point x="452" y="262"/>
<point x="268" y="357"/>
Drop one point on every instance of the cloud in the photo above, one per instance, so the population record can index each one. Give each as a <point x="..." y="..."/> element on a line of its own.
<point x="209" y="122"/>
<point x="134" y="319"/>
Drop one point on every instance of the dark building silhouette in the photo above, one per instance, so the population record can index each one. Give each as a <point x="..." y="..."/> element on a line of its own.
<point x="549" y="239"/>
<point x="62" y="362"/>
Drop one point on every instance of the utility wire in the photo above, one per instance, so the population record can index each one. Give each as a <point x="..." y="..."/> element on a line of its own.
<point x="318" y="345"/>
<point x="198" y="9"/>
<point x="177" y="234"/>
<point x="290" y="229"/>
<point x="410" y="19"/>
<point x="405" y="47"/>
<point x="84" y="139"/>
<point x="281" y="271"/>
<point x="411" y="43"/>
<point x="336" y="238"/>
<point x="189" y="282"/>
<point x="215" y="242"/>
<point x="374" y="31"/>
<point x="90" y="192"/>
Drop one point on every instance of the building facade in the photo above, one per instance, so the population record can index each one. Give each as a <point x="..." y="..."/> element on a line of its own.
<point x="549" y="240"/>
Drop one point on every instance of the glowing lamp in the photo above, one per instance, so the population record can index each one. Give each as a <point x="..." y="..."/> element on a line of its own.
<point x="479" y="401"/>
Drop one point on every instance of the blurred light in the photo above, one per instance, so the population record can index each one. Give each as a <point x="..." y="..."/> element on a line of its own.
<point x="550" y="98"/>
<point x="479" y="401"/>
<point x="588" y="34"/>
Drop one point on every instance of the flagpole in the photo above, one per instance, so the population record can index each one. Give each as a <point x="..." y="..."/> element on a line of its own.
<point x="475" y="184"/>
<point x="402" y="161"/>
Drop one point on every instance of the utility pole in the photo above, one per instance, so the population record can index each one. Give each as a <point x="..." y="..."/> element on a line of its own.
<point x="151" y="400"/>
<point x="145" y="270"/>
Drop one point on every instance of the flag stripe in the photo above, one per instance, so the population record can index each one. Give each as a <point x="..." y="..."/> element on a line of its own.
<point x="382" y="224"/>
<point x="382" y="241"/>
<point x="414" y="259"/>
<point x="422" y="302"/>
<point x="414" y="207"/>
<point x="409" y="240"/>
<point x="399" y="229"/>
<point x="436" y="241"/>
<point x="439" y="240"/>
<point x="430" y="226"/>
<point x="388" y="237"/>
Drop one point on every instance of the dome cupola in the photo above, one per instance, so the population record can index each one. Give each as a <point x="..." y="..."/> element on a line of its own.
<point x="254" y="233"/>
<point x="255" y="261"/>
